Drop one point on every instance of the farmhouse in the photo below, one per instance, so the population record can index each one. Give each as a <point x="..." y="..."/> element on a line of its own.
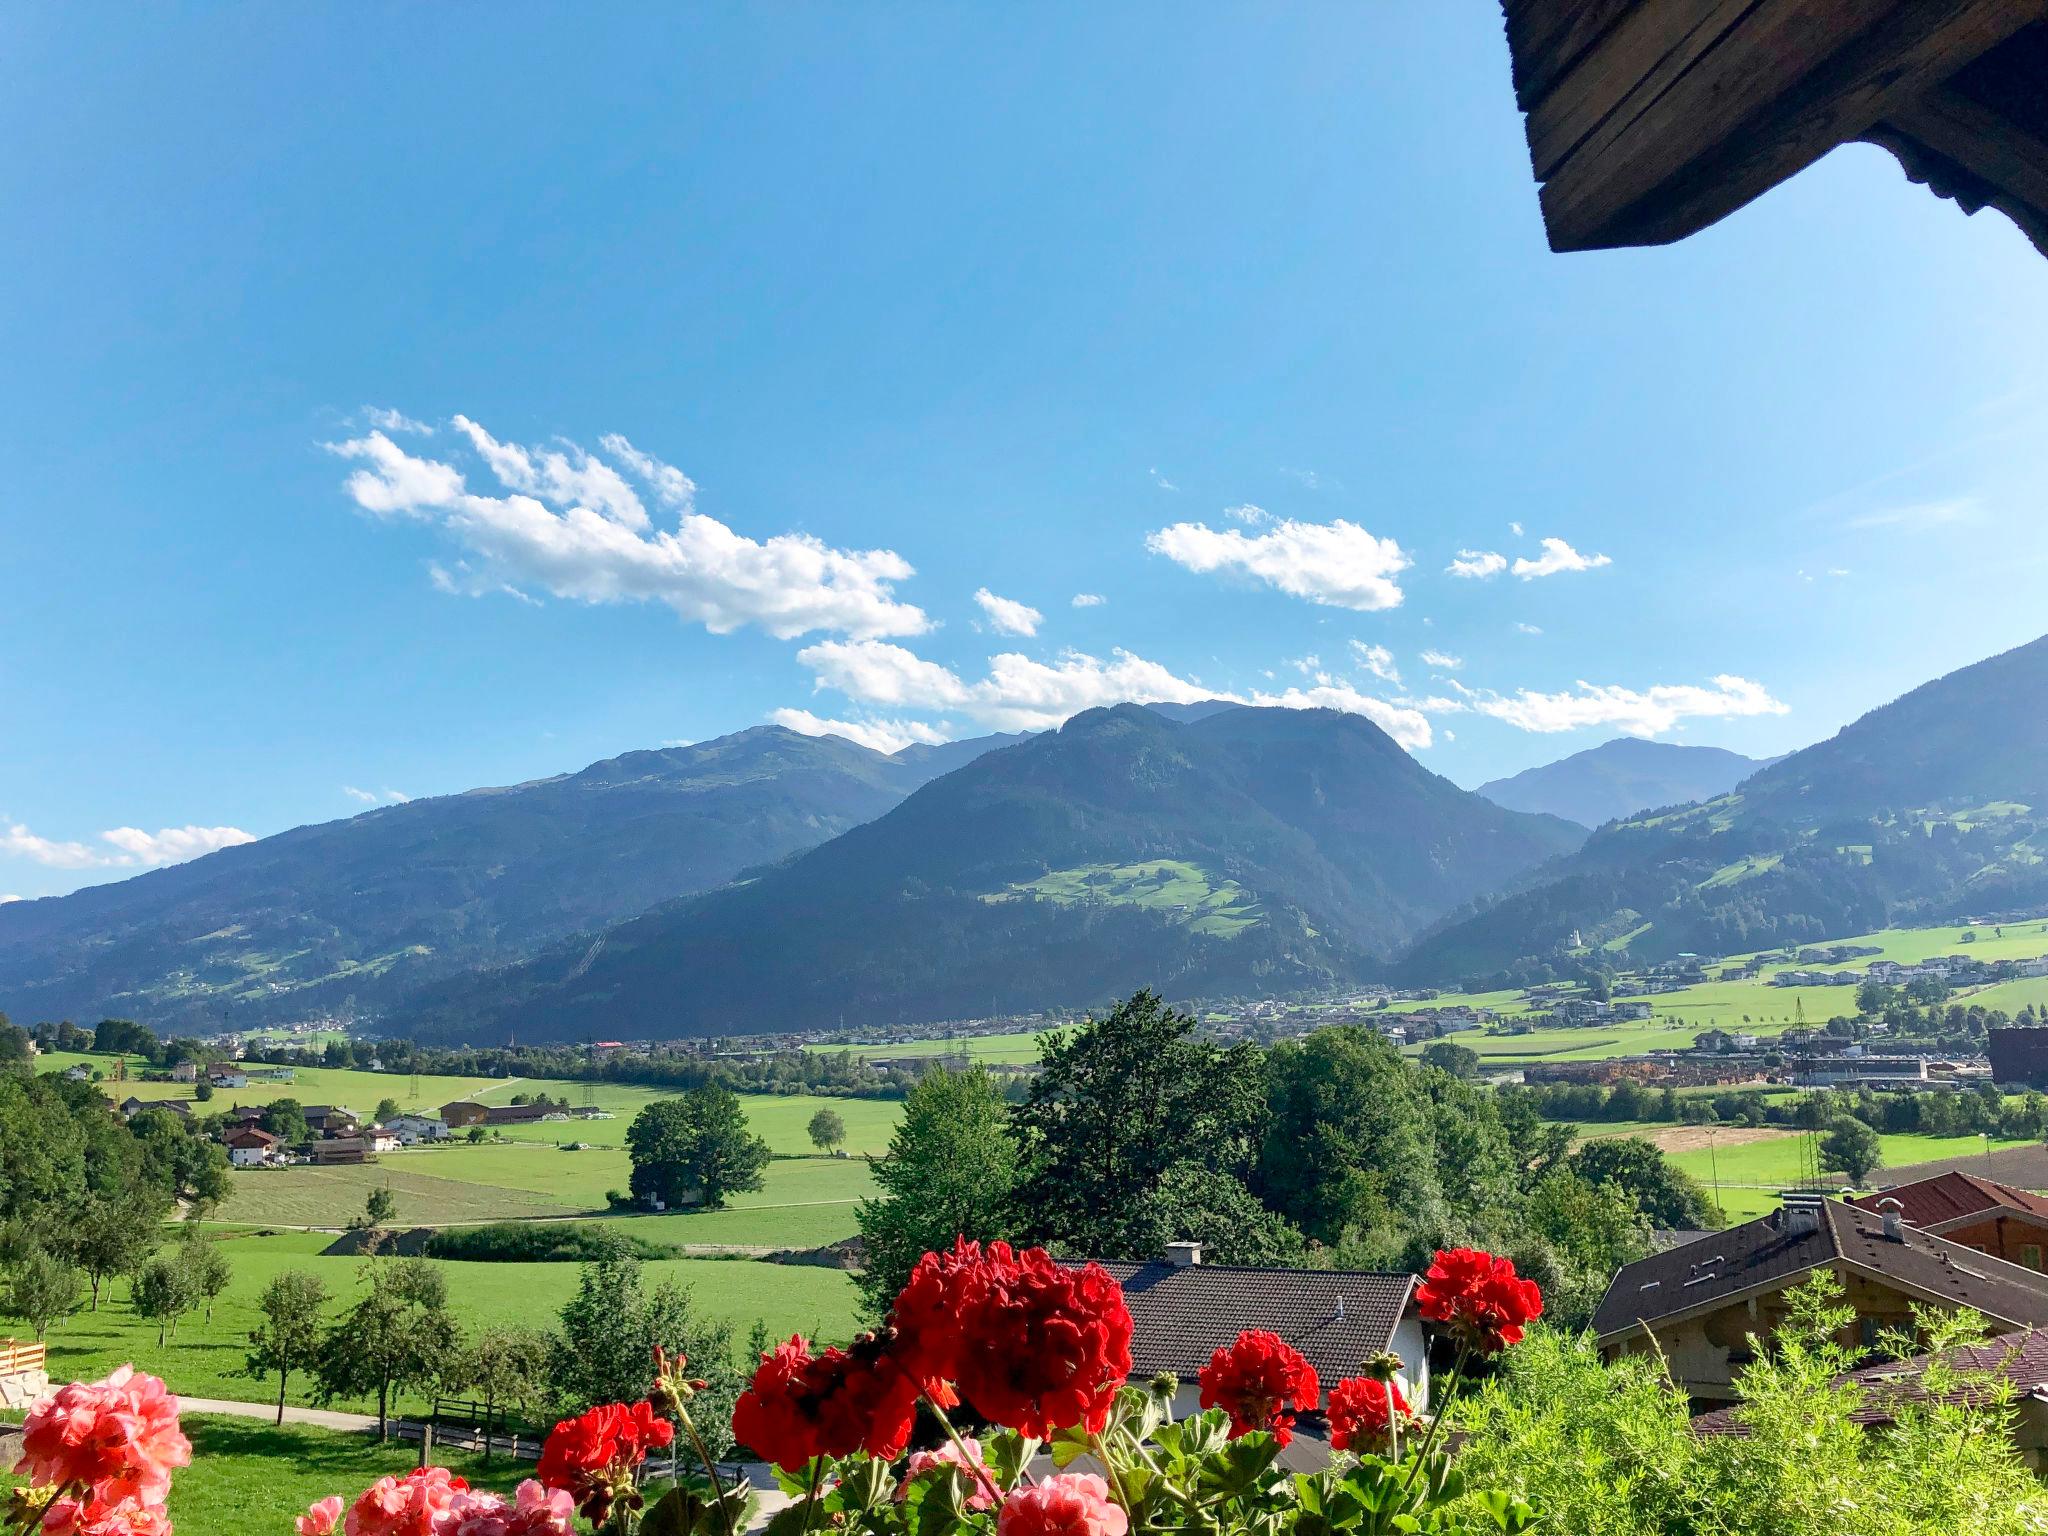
<point x="338" y="1150"/>
<point x="1704" y="1305"/>
<point x="330" y="1120"/>
<point x="1976" y="1213"/>
<point x="225" y="1074"/>
<point x="185" y="1072"/>
<point x="413" y="1129"/>
<point x="1183" y="1311"/>
<point x="462" y="1112"/>
<point x="249" y="1147"/>
<point x="522" y="1114"/>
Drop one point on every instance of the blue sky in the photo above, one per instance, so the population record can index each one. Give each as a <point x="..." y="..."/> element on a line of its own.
<point x="899" y="304"/>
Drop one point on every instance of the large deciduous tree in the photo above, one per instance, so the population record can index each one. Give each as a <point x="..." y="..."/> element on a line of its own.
<point x="1666" y="1195"/>
<point x="695" y="1148"/>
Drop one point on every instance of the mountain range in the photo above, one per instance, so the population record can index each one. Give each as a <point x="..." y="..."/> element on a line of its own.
<point x="1244" y="850"/>
<point x="1934" y="806"/>
<point x="1623" y="777"/>
<point x="349" y="916"/>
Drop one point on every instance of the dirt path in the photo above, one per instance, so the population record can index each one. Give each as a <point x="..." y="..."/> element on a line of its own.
<point x="1698" y="1138"/>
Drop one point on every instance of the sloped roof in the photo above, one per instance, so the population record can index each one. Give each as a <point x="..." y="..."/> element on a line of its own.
<point x="1953" y="1196"/>
<point x="1760" y="1252"/>
<point x="2020" y="1358"/>
<point x="1338" y="1319"/>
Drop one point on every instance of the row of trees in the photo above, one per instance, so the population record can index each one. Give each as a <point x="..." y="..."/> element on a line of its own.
<point x="1982" y="1110"/>
<point x="1332" y="1150"/>
<point x="399" y="1335"/>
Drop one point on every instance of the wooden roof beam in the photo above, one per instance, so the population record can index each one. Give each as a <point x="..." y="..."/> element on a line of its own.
<point x="1682" y="111"/>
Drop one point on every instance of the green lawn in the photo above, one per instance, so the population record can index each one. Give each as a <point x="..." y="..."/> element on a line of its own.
<point x="1776" y="1163"/>
<point x="205" y="1358"/>
<point x="249" y="1478"/>
<point x="356" y="1090"/>
<point x="509" y="1181"/>
<point x="1207" y="903"/>
<point x="1011" y="1048"/>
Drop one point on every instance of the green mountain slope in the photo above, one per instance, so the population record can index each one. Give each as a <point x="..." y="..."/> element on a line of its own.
<point x="351" y="914"/>
<point x="1931" y="807"/>
<point x="1302" y="842"/>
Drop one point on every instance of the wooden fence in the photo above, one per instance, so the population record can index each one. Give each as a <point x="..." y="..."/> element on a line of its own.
<point x="19" y="1359"/>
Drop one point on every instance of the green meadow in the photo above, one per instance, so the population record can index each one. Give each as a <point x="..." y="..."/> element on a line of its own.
<point x="204" y="1359"/>
<point x="1017" y="1048"/>
<point x="1209" y="904"/>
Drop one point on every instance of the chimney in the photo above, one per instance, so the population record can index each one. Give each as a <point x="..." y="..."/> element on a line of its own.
<point x="1183" y="1255"/>
<point x="1802" y="1214"/>
<point x="1890" y="1209"/>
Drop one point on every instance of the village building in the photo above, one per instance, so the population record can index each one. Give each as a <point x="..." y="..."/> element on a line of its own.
<point x="1982" y="1214"/>
<point x="335" y="1150"/>
<point x="413" y="1129"/>
<point x="185" y="1072"/>
<point x="1704" y="1306"/>
<point x="249" y="1147"/>
<point x="225" y="1074"/>
<point x="330" y="1120"/>
<point x="461" y="1113"/>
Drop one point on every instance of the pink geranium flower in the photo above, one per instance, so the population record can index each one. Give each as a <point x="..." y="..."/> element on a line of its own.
<point x="322" y="1517"/>
<point x="981" y="1484"/>
<point x="119" y="1438"/>
<point x="418" y="1504"/>
<point x="1072" y="1504"/>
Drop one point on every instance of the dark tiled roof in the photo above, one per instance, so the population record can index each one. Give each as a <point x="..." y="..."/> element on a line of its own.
<point x="1758" y="1252"/>
<point x="2019" y="1358"/>
<point x="1953" y="1196"/>
<point x="1339" y="1319"/>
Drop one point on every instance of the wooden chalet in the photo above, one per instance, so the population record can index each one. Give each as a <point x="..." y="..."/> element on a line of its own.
<point x="1649" y="120"/>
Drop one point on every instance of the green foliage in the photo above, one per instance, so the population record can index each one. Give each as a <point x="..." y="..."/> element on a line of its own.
<point x="528" y="1242"/>
<point x="286" y="1119"/>
<point x="288" y="1338"/>
<point x="42" y="1289"/>
<point x="507" y="1368"/>
<point x="826" y="1130"/>
<point x="1609" y="1450"/>
<point x="695" y="1148"/>
<point x="208" y="1267"/>
<point x="1449" y="1056"/>
<point x="398" y="1334"/>
<point x="1665" y="1196"/>
<point x="114" y="1233"/>
<point x="950" y="1171"/>
<point x="1119" y="1103"/>
<point x="1850" y="1147"/>
<point x="379" y="1206"/>
<point x="164" y="1291"/>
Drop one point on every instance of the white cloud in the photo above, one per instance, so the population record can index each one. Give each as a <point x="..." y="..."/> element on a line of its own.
<point x="1089" y="599"/>
<point x="876" y="672"/>
<point x="1919" y="515"/>
<point x="1249" y="514"/>
<point x="394" y="421"/>
<point x="876" y="735"/>
<point x="1007" y="616"/>
<point x="1337" y="564"/>
<point x="1558" y="556"/>
<point x="171" y="845"/>
<point x="22" y="843"/>
<point x="1307" y="479"/>
<point x="671" y="486"/>
<point x="1515" y="529"/>
<point x="397" y="796"/>
<point x="1838" y="570"/>
<point x="1377" y="660"/>
<point x="1442" y="661"/>
<point x="573" y="527"/>
<point x="7" y="897"/>
<point x="1160" y="480"/>
<point x="1408" y="726"/>
<point x="1647" y="713"/>
<point x="1477" y="564"/>
<point x="1527" y="629"/>
<point x="361" y="796"/>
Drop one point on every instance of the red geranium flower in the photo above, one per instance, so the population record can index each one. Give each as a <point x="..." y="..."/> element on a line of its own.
<point x="592" y="1456"/>
<point x="926" y="1317"/>
<point x="1362" y="1412"/>
<point x="1258" y="1381"/>
<point x="1479" y="1298"/>
<point x="801" y="1405"/>
<point x="1042" y="1346"/>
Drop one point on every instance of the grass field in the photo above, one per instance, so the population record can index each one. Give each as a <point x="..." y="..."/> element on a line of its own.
<point x="1208" y="903"/>
<point x="1013" y="1048"/>
<point x="511" y="1181"/>
<point x="205" y="1358"/>
<point x="248" y="1477"/>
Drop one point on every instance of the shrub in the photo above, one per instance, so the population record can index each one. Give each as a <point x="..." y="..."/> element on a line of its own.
<point x="541" y="1242"/>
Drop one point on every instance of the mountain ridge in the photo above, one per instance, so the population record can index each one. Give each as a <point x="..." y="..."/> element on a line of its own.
<point x="1622" y="778"/>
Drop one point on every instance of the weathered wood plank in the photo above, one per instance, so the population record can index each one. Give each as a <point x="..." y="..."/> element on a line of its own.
<point x="1982" y="142"/>
<point x="1720" y="119"/>
<point x="1547" y="37"/>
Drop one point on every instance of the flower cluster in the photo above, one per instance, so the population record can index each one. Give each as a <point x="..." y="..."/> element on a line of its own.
<point x="1479" y="1298"/>
<point x="966" y="1455"/>
<point x="1260" y="1381"/>
<point x="101" y="1453"/>
<point x="1073" y="1504"/>
<point x="1364" y="1413"/>
<point x="434" y="1502"/>
<point x="592" y="1457"/>
<point x="1030" y="1344"/>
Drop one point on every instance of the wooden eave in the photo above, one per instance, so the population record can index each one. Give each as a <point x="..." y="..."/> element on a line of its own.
<point x="1649" y="120"/>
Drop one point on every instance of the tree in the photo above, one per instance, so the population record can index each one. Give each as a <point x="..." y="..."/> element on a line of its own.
<point x="610" y="1327"/>
<point x="398" y="1334"/>
<point x="1872" y="998"/>
<point x="112" y="1236"/>
<point x="507" y="1367"/>
<point x="1449" y="1056"/>
<point x="289" y="1335"/>
<point x="1208" y="1206"/>
<point x="1850" y="1147"/>
<point x="386" y="1110"/>
<point x="208" y="1267"/>
<point x="378" y="1207"/>
<point x="202" y="1090"/>
<point x="1665" y="1194"/>
<point x="42" y="1288"/>
<point x="163" y="1292"/>
<point x="949" y="1172"/>
<point x="1117" y="1103"/>
<point x="286" y="1120"/>
<point x="827" y="1130"/>
<point x="695" y="1147"/>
